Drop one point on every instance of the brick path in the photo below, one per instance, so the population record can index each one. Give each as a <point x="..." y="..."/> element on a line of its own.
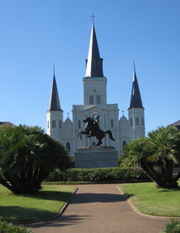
<point x="100" y="209"/>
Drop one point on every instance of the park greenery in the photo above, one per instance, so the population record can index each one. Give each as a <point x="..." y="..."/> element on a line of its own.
<point x="24" y="207"/>
<point x="152" y="201"/>
<point x="98" y="175"/>
<point x="157" y="154"/>
<point x="6" y="227"/>
<point x="172" y="227"/>
<point x="27" y="156"/>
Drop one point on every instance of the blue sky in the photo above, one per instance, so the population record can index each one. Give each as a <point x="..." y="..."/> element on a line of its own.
<point x="35" y="34"/>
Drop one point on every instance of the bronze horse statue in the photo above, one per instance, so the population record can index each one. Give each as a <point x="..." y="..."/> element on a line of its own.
<point x="92" y="129"/>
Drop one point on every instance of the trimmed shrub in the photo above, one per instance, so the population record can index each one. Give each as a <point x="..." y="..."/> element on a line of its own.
<point x="98" y="175"/>
<point x="10" y="228"/>
<point x="173" y="227"/>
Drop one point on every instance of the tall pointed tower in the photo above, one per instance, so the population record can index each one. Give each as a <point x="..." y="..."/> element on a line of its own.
<point x="94" y="80"/>
<point x="136" y="111"/>
<point x="54" y="113"/>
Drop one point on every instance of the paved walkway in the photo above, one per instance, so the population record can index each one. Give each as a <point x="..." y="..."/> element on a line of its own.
<point x="100" y="209"/>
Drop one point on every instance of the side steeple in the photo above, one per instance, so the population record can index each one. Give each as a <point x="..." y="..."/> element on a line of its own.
<point x="136" y="111"/>
<point x="54" y="114"/>
<point x="94" y="62"/>
<point x="136" y="101"/>
<point x="54" y="103"/>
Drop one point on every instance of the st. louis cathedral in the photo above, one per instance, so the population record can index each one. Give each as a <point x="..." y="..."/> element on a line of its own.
<point x="95" y="102"/>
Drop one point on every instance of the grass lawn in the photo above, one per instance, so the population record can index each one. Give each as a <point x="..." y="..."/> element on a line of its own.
<point x="46" y="203"/>
<point x="150" y="200"/>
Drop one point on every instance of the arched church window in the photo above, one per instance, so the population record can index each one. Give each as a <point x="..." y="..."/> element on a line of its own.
<point x="53" y="124"/>
<point x="131" y="121"/>
<point x="112" y="123"/>
<point x="98" y="99"/>
<point x="91" y="99"/>
<point x="79" y="124"/>
<point x="137" y="121"/>
<point x="68" y="146"/>
<point x="124" y="144"/>
<point x="60" y="124"/>
<point x="142" y="121"/>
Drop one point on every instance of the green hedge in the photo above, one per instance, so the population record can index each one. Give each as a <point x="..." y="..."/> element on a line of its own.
<point x="173" y="227"/>
<point x="10" y="228"/>
<point x="98" y="175"/>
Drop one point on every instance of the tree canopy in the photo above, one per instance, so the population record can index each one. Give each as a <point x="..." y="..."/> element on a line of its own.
<point x="27" y="155"/>
<point x="157" y="155"/>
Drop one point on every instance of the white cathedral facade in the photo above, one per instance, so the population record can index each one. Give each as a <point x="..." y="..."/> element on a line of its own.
<point x="95" y="101"/>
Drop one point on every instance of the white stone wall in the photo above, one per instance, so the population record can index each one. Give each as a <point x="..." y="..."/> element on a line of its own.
<point x="124" y="133"/>
<point x="95" y="87"/>
<point x="67" y="135"/>
<point x="107" y="113"/>
<point x="137" y="122"/>
<point x="54" y="124"/>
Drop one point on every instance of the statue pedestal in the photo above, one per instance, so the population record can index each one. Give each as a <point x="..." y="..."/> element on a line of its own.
<point x="96" y="157"/>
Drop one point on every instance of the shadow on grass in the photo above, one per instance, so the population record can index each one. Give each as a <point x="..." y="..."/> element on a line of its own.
<point x="16" y="213"/>
<point x="169" y="190"/>
<point x="49" y="195"/>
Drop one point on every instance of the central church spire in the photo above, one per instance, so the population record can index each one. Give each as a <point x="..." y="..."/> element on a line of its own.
<point x="94" y="62"/>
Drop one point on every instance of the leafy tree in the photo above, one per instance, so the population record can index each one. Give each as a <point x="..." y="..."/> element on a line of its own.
<point x="157" y="155"/>
<point x="27" y="155"/>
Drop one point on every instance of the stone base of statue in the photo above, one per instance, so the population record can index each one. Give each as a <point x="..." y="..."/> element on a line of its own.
<point x="96" y="157"/>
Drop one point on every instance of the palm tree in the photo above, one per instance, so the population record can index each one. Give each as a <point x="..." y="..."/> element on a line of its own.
<point x="27" y="155"/>
<point x="165" y="143"/>
<point x="157" y="155"/>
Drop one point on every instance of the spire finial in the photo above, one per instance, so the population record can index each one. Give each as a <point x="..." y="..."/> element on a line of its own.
<point x="134" y="65"/>
<point x="54" y="69"/>
<point x="93" y="16"/>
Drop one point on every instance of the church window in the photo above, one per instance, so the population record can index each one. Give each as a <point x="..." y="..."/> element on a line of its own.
<point x="98" y="99"/>
<point x="137" y="121"/>
<point x="142" y="121"/>
<point x="124" y="144"/>
<point x="79" y="124"/>
<point x="131" y="121"/>
<point x="53" y="124"/>
<point x="91" y="99"/>
<point x="60" y="124"/>
<point x="112" y="123"/>
<point x="68" y="146"/>
<point x="48" y="125"/>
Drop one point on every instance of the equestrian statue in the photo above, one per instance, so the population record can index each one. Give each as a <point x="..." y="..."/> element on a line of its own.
<point x="92" y="129"/>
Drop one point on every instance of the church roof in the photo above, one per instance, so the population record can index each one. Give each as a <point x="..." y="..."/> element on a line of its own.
<point x="177" y="124"/>
<point x="54" y="103"/>
<point x="6" y="123"/>
<point x="94" y="62"/>
<point x="68" y="120"/>
<point x="136" y="101"/>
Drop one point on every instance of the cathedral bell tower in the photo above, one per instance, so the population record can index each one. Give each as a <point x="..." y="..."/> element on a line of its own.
<point x="136" y="111"/>
<point x="94" y="81"/>
<point x="54" y="113"/>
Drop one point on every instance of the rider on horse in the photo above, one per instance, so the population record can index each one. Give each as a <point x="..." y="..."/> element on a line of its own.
<point x="92" y="129"/>
<point x="94" y="125"/>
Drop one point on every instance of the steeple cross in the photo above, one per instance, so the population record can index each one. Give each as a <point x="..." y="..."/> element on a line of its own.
<point x="93" y="16"/>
